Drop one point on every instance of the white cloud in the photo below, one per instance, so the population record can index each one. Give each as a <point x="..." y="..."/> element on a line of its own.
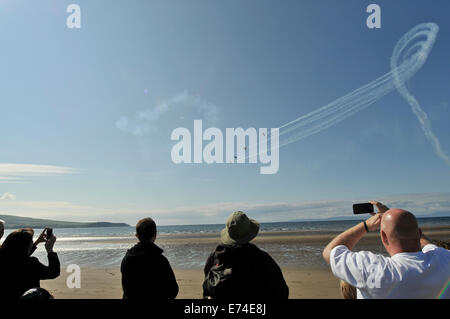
<point x="8" y="196"/>
<point x="177" y="107"/>
<point x="33" y="169"/>
<point x="11" y="180"/>
<point x="15" y="173"/>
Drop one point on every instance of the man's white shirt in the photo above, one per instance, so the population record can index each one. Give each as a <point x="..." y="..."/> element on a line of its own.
<point x="423" y="274"/>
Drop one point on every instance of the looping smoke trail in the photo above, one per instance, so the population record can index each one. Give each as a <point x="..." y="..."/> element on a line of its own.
<point x="400" y="85"/>
<point x="410" y="54"/>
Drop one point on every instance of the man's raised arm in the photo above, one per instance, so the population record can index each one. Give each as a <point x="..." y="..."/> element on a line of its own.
<point x="351" y="236"/>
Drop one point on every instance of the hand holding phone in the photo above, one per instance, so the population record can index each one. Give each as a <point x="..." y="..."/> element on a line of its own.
<point x="372" y="223"/>
<point x="381" y="207"/>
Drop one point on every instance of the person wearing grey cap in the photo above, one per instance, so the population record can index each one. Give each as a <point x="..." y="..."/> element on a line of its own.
<point x="238" y="269"/>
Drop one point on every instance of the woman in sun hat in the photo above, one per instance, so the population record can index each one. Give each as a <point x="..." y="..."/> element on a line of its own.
<point x="238" y="269"/>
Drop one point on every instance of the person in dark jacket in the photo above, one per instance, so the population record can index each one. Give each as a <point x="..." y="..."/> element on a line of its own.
<point x="240" y="270"/>
<point x="2" y="228"/>
<point x="146" y="273"/>
<point x="20" y="272"/>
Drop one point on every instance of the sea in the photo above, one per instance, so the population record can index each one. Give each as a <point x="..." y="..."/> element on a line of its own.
<point x="105" y="246"/>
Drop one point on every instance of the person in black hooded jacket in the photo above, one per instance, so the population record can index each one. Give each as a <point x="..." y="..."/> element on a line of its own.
<point x="19" y="271"/>
<point x="146" y="273"/>
<point x="239" y="270"/>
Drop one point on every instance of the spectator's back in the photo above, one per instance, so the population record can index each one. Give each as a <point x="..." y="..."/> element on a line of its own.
<point x="146" y="273"/>
<point x="253" y="274"/>
<point x="240" y="270"/>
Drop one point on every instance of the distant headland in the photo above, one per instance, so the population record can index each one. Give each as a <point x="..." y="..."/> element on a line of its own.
<point x="14" y="222"/>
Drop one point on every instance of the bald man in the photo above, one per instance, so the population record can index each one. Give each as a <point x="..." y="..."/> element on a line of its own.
<point x="415" y="269"/>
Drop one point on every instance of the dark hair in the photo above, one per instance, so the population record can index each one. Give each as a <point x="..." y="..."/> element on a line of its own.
<point x="17" y="244"/>
<point x="146" y="229"/>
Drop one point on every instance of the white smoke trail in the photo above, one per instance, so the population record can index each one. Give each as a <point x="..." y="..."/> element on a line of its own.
<point x="415" y="106"/>
<point x="410" y="53"/>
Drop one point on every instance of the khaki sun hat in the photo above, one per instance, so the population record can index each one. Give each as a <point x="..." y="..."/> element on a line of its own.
<point x="239" y="229"/>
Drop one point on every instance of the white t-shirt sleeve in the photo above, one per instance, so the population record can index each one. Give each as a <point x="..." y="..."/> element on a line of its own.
<point x="360" y="269"/>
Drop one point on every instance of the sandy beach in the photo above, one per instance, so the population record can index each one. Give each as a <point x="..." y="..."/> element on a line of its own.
<point x="314" y="282"/>
<point x="104" y="283"/>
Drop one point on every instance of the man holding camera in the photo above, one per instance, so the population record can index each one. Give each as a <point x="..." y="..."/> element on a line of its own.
<point x="415" y="269"/>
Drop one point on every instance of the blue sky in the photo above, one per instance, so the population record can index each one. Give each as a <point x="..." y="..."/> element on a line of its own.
<point x="247" y="64"/>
